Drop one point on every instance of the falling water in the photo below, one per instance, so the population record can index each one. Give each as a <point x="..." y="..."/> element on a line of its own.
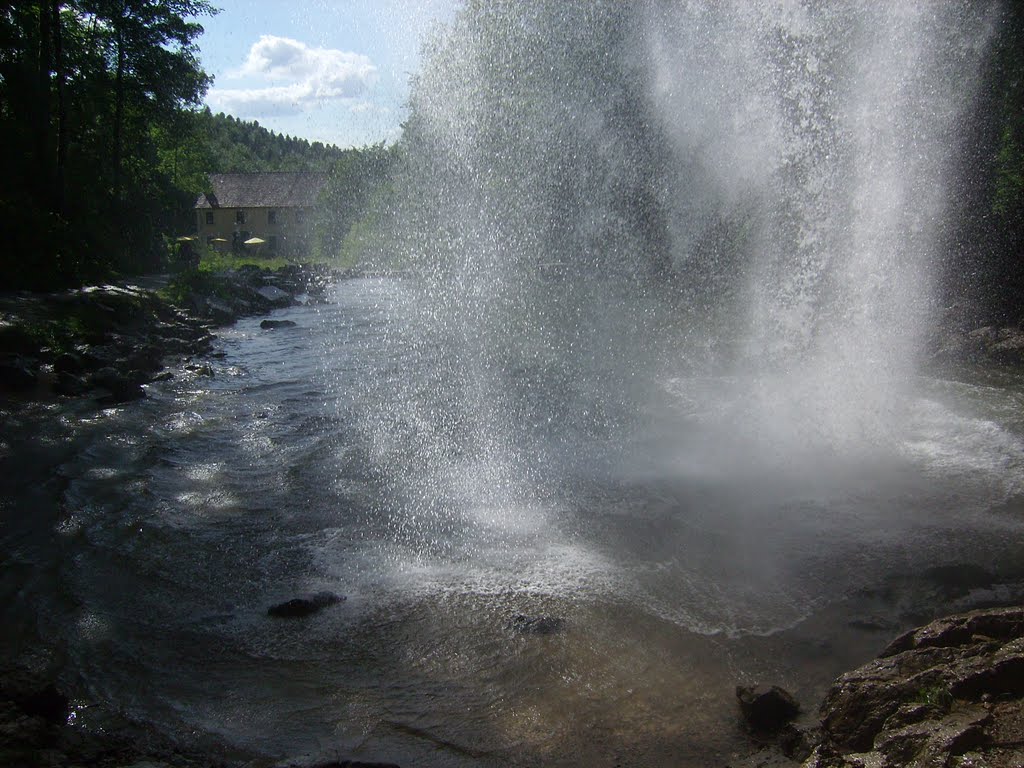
<point x="606" y="204"/>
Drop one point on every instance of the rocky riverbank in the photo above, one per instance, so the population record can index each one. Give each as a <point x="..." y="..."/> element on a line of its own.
<point x="949" y="694"/>
<point x="106" y="341"/>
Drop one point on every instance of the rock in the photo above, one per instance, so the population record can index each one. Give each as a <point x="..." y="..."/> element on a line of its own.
<point x="1009" y="348"/>
<point x="304" y="606"/>
<point x="274" y="295"/>
<point x="950" y="687"/>
<point x="16" y="376"/>
<point x="958" y="579"/>
<point x="120" y="387"/>
<point x="536" y="625"/>
<point x="69" y="363"/>
<point x="201" y="370"/>
<point x="766" y="709"/>
<point x="69" y="385"/>
<point x="272" y="324"/>
<point x="16" y="340"/>
<point x="48" y="703"/>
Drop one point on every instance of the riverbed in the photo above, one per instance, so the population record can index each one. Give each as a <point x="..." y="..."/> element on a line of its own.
<point x="674" y="557"/>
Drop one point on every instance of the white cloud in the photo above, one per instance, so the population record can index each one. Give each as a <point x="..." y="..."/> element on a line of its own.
<point x="307" y="76"/>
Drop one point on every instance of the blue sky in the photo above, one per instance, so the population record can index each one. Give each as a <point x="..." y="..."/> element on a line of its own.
<point x="336" y="71"/>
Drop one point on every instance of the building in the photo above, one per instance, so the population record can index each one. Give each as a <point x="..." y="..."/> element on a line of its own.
<point x="275" y="207"/>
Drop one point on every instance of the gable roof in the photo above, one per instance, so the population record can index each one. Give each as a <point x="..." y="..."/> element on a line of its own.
<point x="278" y="189"/>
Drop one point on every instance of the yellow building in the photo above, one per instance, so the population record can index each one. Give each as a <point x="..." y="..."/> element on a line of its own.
<point x="275" y="207"/>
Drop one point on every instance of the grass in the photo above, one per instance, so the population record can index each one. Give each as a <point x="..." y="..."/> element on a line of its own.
<point x="936" y="695"/>
<point x="213" y="261"/>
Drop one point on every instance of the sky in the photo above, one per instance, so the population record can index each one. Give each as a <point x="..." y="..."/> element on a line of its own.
<point x="335" y="71"/>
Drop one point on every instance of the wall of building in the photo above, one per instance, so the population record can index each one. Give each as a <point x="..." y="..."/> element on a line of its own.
<point x="288" y="234"/>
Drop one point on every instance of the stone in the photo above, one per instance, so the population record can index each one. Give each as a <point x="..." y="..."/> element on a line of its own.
<point x="536" y="625"/>
<point x="300" y="607"/>
<point x="274" y="295"/>
<point x="47" y="703"/>
<point x="121" y="387"/>
<point x="766" y="709"/>
<point x="268" y="325"/>
<point x="16" y="376"/>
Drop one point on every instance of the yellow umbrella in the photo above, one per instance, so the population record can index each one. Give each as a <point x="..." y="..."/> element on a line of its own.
<point x="255" y="241"/>
<point x="185" y="239"/>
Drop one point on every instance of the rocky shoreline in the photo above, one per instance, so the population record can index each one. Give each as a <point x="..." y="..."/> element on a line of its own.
<point x="949" y="694"/>
<point x="105" y="342"/>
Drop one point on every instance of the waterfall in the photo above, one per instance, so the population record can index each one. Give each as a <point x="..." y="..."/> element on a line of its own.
<point x="604" y="204"/>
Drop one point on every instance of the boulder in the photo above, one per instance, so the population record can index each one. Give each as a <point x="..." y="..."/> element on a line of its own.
<point x="300" y="607"/>
<point x="949" y="688"/>
<point x="269" y="325"/>
<point x="766" y="709"/>
<point x="120" y="386"/>
<point x="275" y="295"/>
<point x="536" y="625"/>
<point x="16" y="376"/>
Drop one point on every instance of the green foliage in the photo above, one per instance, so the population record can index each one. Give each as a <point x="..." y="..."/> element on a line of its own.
<point x="90" y="93"/>
<point x="936" y="695"/>
<point x="357" y="190"/>
<point x="213" y="261"/>
<point x="230" y="145"/>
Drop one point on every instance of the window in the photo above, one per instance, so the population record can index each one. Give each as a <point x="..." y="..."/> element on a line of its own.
<point x="209" y="217"/>
<point x="239" y="217"/>
<point x="300" y="215"/>
<point x="272" y="242"/>
<point x="271" y="216"/>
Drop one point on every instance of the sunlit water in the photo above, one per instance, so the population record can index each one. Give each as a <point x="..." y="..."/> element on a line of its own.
<point x="684" y="552"/>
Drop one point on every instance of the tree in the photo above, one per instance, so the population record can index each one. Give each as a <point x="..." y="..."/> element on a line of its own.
<point x="87" y="88"/>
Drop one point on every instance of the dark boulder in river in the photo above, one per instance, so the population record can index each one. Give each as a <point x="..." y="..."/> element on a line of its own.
<point x="536" y="625"/>
<point x="766" y="709"/>
<point x="272" y="324"/>
<point x="299" y="607"/>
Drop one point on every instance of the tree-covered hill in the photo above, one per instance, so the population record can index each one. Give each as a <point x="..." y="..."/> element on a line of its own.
<point x="240" y="146"/>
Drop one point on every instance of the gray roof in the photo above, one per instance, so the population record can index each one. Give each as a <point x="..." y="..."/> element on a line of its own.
<point x="279" y="189"/>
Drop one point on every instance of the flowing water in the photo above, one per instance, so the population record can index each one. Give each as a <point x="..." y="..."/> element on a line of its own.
<point x="652" y="375"/>
<point x="145" y="543"/>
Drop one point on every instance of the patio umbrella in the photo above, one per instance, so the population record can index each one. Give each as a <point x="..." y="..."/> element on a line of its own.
<point x="255" y="241"/>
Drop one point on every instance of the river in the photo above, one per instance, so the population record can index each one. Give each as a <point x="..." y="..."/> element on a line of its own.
<point x="143" y="544"/>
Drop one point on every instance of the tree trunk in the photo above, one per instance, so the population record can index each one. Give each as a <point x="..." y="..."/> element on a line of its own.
<point x="44" y="161"/>
<point x="62" y="129"/>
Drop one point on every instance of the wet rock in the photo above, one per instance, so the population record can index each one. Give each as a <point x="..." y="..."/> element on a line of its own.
<point x="958" y="579"/>
<point x="1009" y="347"/>
<point x="950" y="687"/>
<point x="69" y="385"/>
<point x="274" y="295"/>
<point x="766" y="709"/>
<point x="117" y="386"/>
<point x="69" y="362"/>
<point x="272" y="324"/>
<point x="17" y="376"/>
<point x="16" y="340"/>
<point x="536" y="625"/>
<point x="304" y="606"/>
<point x="48" y="703"/>
<point x="200" y="370"/>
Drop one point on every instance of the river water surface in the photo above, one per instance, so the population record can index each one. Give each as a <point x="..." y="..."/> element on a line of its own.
<point x="142" y="546"/>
